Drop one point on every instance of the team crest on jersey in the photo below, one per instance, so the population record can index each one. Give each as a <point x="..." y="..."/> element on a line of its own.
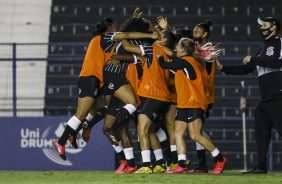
<point x="111" y="86"/>
<point x="270" y="51"/>
<point x="155" y="115"/>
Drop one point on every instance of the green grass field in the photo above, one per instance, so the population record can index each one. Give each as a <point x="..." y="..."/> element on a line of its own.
<point x="101" y="177"/>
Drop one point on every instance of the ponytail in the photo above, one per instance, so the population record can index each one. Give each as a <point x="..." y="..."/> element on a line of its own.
<point x="206" y="27"/>
<point x="103" y="26"/>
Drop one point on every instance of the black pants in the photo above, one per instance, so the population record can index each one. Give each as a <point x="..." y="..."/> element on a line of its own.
<point x="267" y="115"/>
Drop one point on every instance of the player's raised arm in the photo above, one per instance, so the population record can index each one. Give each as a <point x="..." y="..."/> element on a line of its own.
<point x="131" y="48"/>
<point x="135" y="35"/>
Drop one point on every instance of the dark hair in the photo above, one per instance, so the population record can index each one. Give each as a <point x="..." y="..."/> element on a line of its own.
<point x="206" y="27"/>
<point x="171" y="40"/>
<point x="182" y="33"/>
<point x="137" y="24"/>
<point x="103" y="26"/>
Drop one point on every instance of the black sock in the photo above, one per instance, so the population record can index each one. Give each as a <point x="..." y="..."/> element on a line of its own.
<point x="121" y="155"/>
<point x="131" y="162"/>
<point x="182" y="163"/>
<point x="174" y="157"/>
<point x="202" y="157"/>
<point x="66" y="134"/>
<point x="78" y="129"/>
<point x="219" y="158"/>
<point x="122" y="116"/>
<point x="166" y="149"/>
<point x="146" y="164"/>
<point x="160" y="162"/>
<point x="99" y="115"/>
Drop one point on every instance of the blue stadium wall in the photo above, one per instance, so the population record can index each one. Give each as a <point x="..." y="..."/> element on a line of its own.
<point x="27" y="144"/>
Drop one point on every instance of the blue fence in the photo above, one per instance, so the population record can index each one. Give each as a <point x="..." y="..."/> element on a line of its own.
<point x="28" y="52"/>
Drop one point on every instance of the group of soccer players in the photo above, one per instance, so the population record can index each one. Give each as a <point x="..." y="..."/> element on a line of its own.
<point x="160" y="79"/>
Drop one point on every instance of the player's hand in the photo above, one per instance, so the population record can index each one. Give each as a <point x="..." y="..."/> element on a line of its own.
<point x="213" y="58"/>
<point x="247" y="59"/>
<point x="162" y="21"/>
<point x="155" y="36"/>
<point x="114" y="62"/>
<point x="137" y="13"/>
<point x="218" y="65"/>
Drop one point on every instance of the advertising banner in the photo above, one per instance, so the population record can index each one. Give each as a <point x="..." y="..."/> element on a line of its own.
<point x="27" y="144"/>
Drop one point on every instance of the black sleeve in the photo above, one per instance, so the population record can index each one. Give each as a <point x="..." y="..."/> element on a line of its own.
<point x="268" y="62"/>
<point x="239" y="70"/>
<point x="178" y="64"/>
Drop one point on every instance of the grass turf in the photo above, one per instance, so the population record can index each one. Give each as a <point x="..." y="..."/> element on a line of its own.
<point x="105" y="177"/>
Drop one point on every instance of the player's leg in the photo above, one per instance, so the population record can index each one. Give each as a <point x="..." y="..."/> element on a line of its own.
<point x="201" y="167"/>
<point x="180" y="129"/>
<point x="195" y="131"/>
<point x="127" y="148"/>
<point x="124" y="91"/>
<point x="89" y="118"/>
<point x="148" y="112"/>
<point x="165" y="145"/>
<point x="160" y="141"/>
<point x="170" y="124"/>
<point x="126" y="94"/>
<point x="159" y="166"/>
<point x="143" y="129"/>
<point x="97" y="113"/>
<point x="88" y="92"/>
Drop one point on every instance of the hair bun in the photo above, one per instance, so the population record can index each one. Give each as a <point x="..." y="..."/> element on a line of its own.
<point x="98" y="26"/>
<point x="209" y="22"/>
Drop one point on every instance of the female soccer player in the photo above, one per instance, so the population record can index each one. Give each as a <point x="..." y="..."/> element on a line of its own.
<point x="191" y="102"/>
<point x="90" y="79"/>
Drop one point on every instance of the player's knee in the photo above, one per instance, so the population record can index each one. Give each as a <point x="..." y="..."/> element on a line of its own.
<point x="177" y="135"/>
<point x="194" y="137"/>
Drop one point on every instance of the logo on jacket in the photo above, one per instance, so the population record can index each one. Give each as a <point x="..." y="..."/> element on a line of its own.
<point x="270" y="51"/>
<point x="111" y="86"/>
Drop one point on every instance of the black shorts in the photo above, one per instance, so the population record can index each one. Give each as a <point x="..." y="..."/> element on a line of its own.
<point x="88" y="87"/>
<point x="113" y="82"/>
<point x="114" y="106"/>
<point x="104" y="90"/>
<point x="152" y="108"/>
<point x="189" y="115"/>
